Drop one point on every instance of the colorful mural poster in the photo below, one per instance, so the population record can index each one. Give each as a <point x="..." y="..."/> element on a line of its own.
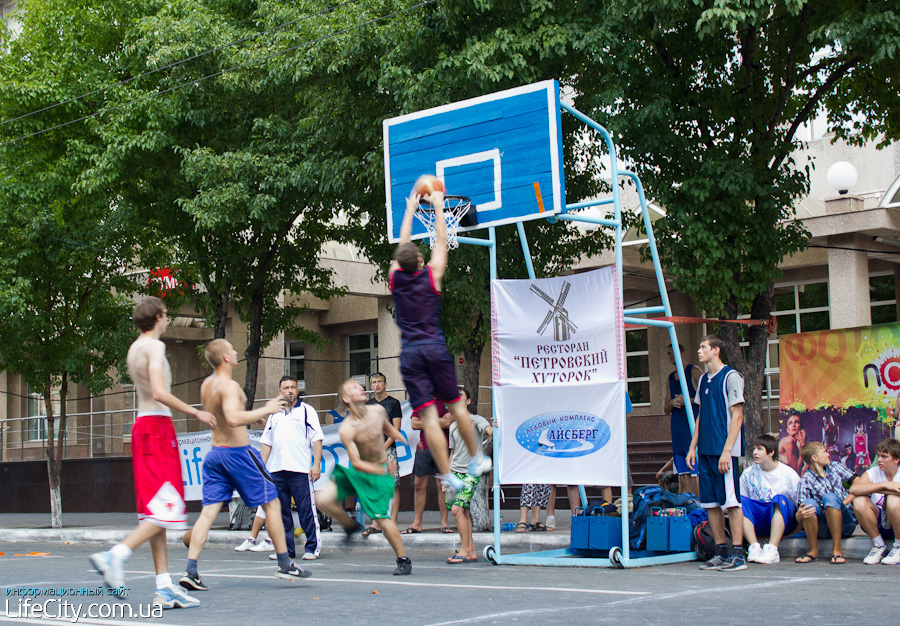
<point x="839" y="387"/>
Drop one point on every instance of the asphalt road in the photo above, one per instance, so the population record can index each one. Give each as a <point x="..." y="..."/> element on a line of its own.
<point x="355" y="586"/>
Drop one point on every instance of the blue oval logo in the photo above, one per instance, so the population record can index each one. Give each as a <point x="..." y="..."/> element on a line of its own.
<point x="563" y="434"/>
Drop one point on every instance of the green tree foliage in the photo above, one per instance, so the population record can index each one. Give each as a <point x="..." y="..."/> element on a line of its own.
<point x="429" y="56"/>
<point x="65" y="317"/>
<point x="230" y="167"/>
<point x="706" y="97"/>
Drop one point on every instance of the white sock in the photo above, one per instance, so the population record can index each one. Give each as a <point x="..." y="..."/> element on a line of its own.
<point x="878" y="541"/>
<point x="252" y="540"/>
<point x="163" y="580"/>
<point x="121" y="550"/>
<point x="897" y="544"/>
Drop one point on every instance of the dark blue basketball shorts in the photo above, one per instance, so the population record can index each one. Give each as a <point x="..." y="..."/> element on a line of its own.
<point x="717" y="489"/>
<point x="428" y="373"/>
<point x="227" y="469"/>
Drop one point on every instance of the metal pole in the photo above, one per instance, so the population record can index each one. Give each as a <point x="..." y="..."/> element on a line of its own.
<point x="492" y="250"/>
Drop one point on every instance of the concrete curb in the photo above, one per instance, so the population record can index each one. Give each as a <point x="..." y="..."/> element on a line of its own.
<point x="856" y="547"/>
<point x="334" y="539"/>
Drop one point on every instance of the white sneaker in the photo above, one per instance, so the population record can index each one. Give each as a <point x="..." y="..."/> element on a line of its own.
<point x="893" y="557"/>
<point x="265" y="546"/>
<point x="247" y="545"/>
<point x="769" y="555"/>
<point x="876" y="555"/>
<point x="308" y="556"/>
<point x="110" y="567"/>
<point x="273" y="557"/>
<point x="754" y="554"/>
<point x="174" y="597"/>
<point x="480" y="464"/>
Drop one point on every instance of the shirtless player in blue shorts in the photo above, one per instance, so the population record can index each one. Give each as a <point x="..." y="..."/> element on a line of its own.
<point x="425" y="363"/>
<point x="233" y="464"/>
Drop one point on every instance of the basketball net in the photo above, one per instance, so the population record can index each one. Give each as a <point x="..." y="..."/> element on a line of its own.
<point x="455" y="208"/>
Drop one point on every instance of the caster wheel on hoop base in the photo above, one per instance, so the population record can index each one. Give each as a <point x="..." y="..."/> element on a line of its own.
<point x="489" y="555"/>
<point x="615" y="557"/>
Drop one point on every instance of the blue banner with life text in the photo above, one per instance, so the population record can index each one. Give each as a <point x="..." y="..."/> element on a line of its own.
<point x="193" y="447"/>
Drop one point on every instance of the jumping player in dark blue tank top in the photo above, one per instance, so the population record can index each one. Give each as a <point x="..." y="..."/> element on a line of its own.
<point x="425" y="363"/>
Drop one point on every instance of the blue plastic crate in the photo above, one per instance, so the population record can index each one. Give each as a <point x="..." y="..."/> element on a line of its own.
<point x="580" y="531"/>
<point x="680" y="530"/>
<point x="606" y="531"/>
<point x="668" y="533"/>
<point x="657" y="531"/>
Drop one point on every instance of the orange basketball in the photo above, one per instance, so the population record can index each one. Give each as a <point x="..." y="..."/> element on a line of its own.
<point x="428" y="184"/>
<point x="186" y="539"/>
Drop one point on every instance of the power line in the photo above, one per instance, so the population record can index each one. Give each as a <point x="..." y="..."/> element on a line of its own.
<point x="177" y="63"/>
<point x="220" y="73"/>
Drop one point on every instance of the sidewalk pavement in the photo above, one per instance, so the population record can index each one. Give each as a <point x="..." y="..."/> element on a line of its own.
<point x="108" y="528"/>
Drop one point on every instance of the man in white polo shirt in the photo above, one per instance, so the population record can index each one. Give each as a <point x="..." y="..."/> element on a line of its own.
<point x="292" y="451"/>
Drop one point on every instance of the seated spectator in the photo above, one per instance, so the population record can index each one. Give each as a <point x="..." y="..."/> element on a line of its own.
<point x="877" y="503"/>
<point x="823" y="502"/>
<point x="459" y="465"/>
<point x="769" y="491"/>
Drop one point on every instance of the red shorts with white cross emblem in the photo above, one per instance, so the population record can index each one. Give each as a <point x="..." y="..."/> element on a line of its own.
<point x="158" y="485"/>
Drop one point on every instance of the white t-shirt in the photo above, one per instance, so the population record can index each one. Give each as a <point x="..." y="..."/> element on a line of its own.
<point x="876" y="475"/>
<point x="291" y="436"/>
<point x="763" y="486"/>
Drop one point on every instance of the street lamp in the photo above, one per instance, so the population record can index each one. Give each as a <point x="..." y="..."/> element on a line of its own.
<point x="842" y="176"/>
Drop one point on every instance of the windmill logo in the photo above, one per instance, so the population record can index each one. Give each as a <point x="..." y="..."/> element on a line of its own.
<point x="563" y="328"/>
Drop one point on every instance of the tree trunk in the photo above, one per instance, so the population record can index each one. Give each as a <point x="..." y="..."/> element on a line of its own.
<point x="222" y="313"/>
<point x="472" y="363"/>
<point x="56" y="452"/>
<point x="753" y="368"/>
<point x="253" y="346"/>
<point x="472" y="374"/>
<point x="756" y="373"/>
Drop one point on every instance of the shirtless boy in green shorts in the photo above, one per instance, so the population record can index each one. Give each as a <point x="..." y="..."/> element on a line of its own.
<point x="369" y="477"/>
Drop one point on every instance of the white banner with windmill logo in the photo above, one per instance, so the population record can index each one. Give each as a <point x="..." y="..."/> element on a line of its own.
<point x="558" y="362"/>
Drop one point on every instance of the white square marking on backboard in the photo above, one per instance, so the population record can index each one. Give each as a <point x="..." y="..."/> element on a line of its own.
<point x="477" y="157"/>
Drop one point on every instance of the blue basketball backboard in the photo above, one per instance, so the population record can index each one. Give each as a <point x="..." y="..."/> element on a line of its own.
<point x="502" y="150"/>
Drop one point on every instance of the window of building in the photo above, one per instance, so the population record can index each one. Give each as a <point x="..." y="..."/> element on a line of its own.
<point x="295" y="361"/>
<point x="6" y="15"/>
<point x="637" y="366"/>
<point x="363" y="354"/>
<point x="35" y="425"/>
<point x="883" y="298"/>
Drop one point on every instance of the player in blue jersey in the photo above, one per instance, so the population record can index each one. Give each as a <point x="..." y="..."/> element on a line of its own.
<point x="681" y="429"/>
<point x="717" y="443"/>
<point x="425" y="363"/>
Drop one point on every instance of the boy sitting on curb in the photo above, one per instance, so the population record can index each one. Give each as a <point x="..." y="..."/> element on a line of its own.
<point x="877" y="503"/>
<point x="769" y="491"/>
<point x="823" y="502"/>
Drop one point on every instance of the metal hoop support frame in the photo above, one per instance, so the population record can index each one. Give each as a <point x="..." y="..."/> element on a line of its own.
<point x="458" y="210"/>
<point x="617" y="557"/>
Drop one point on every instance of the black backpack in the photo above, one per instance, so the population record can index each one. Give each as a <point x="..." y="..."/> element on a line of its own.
<point x="702" y="540"/>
